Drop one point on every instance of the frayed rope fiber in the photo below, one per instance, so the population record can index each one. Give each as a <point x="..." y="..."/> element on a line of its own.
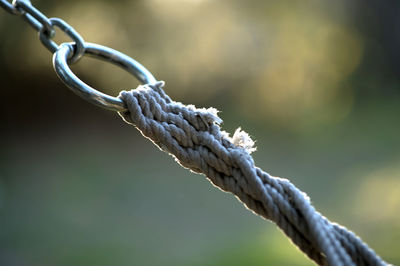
<point x="193" y="136"/>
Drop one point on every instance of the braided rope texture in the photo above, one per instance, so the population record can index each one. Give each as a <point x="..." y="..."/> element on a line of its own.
<point x="193" y="136"/>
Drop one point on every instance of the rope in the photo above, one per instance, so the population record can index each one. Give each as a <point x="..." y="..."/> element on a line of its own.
<point x="193" y="136"/>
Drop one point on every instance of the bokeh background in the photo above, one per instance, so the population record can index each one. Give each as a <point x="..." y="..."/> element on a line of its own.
<point x="314" y="82"/>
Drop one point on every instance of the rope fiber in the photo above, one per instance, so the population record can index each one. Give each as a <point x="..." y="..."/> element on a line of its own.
<point x="193" y="136"/>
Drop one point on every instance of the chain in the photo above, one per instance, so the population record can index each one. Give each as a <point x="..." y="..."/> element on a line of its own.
<point x="45" y="26"/>
<point x="69" y="53"/>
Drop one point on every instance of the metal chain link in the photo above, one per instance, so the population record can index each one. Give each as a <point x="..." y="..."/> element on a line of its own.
<point x="8" y="7"/>
<point x="45" y="26"/>
<point x="34" y="17"/>
<point x="71" y="32"/>
<point x="69" y="53"/>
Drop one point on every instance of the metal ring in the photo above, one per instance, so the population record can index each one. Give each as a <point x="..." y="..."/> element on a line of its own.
<point x="73" y="34"/>
<point x="105" y="53"/>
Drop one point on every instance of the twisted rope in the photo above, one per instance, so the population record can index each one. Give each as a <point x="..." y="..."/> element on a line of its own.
<point x="193" y="136"/>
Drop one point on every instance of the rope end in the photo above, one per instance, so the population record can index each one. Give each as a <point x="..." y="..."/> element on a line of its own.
<point x="242" y="139"/>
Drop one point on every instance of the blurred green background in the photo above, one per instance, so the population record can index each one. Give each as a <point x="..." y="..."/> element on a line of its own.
<point x="314" y="82"/>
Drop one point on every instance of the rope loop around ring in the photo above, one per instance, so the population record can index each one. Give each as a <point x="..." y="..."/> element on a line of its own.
<point x="60" y="63"/>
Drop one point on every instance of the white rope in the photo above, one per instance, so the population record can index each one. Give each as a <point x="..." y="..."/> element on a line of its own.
<point x="193" y="136"/>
